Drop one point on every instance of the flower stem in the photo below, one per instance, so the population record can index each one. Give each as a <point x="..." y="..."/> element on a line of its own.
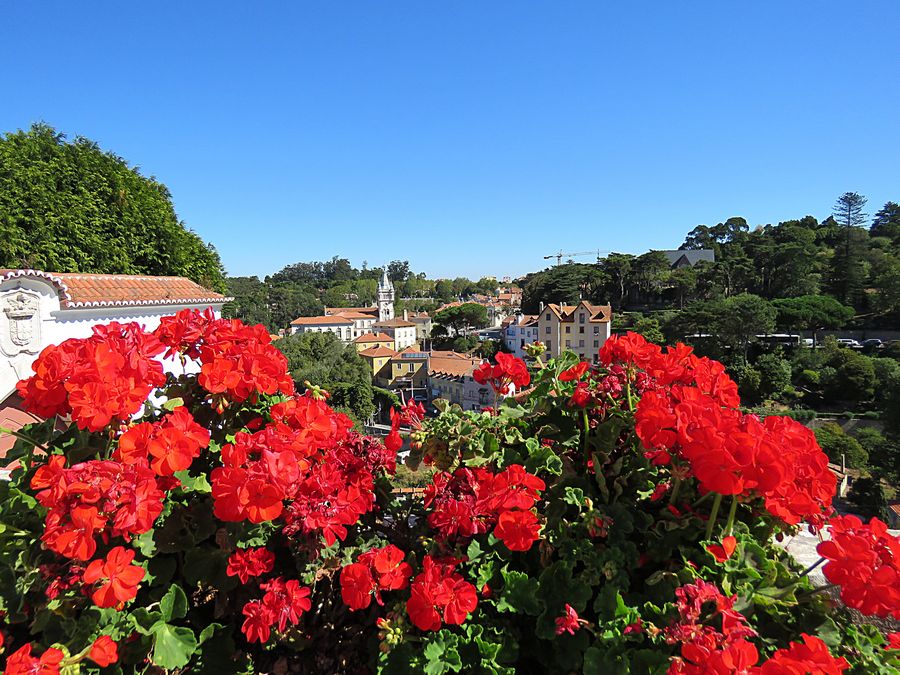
<point x="717" y="502"/>
<point x="23" y="437"/>
<point x="587" y="427"/>
<point x="676" y="486"/>
<point x="812" y="567"/>
<point x="729" y="525"/>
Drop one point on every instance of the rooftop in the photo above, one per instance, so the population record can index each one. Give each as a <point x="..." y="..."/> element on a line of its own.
<point x="373" y="337"/>
<point x="77" y="290"/>
<point x="566" y="313"/>
<point x="394" y="323"/>
<point x="321" y="321"/>
<point x="378" y="352"/>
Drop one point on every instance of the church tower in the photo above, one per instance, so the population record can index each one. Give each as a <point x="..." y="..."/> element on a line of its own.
<point x="385" y="298"/>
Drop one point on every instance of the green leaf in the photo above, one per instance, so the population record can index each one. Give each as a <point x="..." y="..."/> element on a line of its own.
<point x="191" y="483"/>
<point x="442" y="654"/>
<point x="519" y="594"/>
<point x="174" y="604"/>
<point x="172" y="646"/>
<point x="173" y="403"/>
<point x="208" y="632"/>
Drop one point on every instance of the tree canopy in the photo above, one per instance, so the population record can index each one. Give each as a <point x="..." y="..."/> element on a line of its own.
<point x="73" y="207"/>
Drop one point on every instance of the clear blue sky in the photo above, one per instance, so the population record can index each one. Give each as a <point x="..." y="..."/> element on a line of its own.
<point x="470" y="138"/>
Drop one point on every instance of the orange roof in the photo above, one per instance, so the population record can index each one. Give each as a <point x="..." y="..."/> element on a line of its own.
<point x="449" y="354"/>
<point x="374" y="337"/>
<point x="120" y="290"/>
<point x="378" y="352"/>
<point x="358" y="310"/>
<point x="566" y="313"/>
<point x="355" y="315"/>
<point x="321" y="321"/>
<point x="394" y="323"/>
<point x="452" y="367"/>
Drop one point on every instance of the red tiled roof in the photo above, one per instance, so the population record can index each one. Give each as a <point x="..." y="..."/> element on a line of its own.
<point x="566" y="313"/>
<point x="77" y="290"/>
<point x="321" y="321"/>
<point x="352" y="310"/>
<point x="377" y="352"/>
<point x="453" y="367"/>
<point x="374" y="337"/>
<point x="394" y="323"/>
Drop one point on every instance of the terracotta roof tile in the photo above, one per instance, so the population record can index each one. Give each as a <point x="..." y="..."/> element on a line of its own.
<point x="373" y="337"/>
<point x="378" y="352"/>
<point x="113" y="290"/>
<point x="321" y="321"/>
<point x="394" y="323"/>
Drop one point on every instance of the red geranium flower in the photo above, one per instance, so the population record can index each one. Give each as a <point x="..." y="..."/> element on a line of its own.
<point x="357" y="585"/>
<point x="575" y="372"/>
<point x="104" y="651"/>
<point x="120" y="578"/>
<point x="568" y="622"/>
<point x="722" y="552"/>
<point x="250" y="562"/>
<point x="517" y="529"/>
<point x="21" y="662"/>
<point x="810" y="656"/>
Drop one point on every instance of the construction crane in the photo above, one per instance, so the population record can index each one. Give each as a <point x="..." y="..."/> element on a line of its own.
<point x="560" y="255"/>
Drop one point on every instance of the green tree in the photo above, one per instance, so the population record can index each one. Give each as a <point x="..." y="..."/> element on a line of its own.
<point x="837" y="444"/>
<point x="744" y="316"/>
<point x="775" y="375"/>
<point x="886" y="222"/>
<point x="462" y="318"/>
<point x="72" y="207"/>
<point x="288" y="301"/>
<point x="848" y="270"/>
<point x="564" y="284"/>
<point x="866" y="497"/>
<point x="321" y="359"/>
<point x="251" y="301"/>
<point x="811" y="312"/>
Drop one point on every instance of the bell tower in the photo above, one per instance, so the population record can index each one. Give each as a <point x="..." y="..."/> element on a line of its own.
<point x="385" y="298"/>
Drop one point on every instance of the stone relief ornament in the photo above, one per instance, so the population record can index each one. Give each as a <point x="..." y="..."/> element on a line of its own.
<point x="21" y="329"/>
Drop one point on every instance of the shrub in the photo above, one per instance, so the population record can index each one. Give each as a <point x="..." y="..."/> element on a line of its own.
<point x="605" y="520"/>
<point x="837" y="444"/>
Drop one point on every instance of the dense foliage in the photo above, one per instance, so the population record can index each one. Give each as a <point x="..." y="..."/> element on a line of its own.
<point x="71" y="207"/>
<point x="608" y="520"/>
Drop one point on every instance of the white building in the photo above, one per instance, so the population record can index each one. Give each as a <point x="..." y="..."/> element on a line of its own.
<point x="403" y="332"/>
<point x="341" y="326"/>
<point x="520" y="331"/>
<point x="385" y="298"/>
<point x="38" y="309"/>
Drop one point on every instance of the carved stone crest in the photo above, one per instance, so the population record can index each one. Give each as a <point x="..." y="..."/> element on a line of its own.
<point x="21" y="329"/>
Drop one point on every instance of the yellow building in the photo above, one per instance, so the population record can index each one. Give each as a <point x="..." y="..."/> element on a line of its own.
<point x="379" y="360"/>
<point x="581" y="328"/>
<point x="368" y="340"/>
<point x="409" y="371"/>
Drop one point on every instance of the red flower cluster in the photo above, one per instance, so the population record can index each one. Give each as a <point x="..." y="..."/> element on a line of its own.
<point x="381" y="569"/>
<point x="510" y="372"/>
<point x="472" y="501"/>
<point x="865" y="561"/>
<point x="237" y="361"/>
<point x="93" y="498"/>
<point x="283" y="603"/>
<point x="118" y="578"/>
<point x="437" y="593"/>
<point x="812" y="656"/>
<point x="691" y="415"/>
<point x="250" y="562"/>
<point x="21" y="662"/>
<point x="306" y="457"/>
<point x="574" y="374"/>
<point x="97" y="380"/>
<point x="170" y="444"/>
<point x="711" y="632"/>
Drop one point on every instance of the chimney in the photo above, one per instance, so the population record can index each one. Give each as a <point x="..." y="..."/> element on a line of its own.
<point x="541" y="306"/>
<point x="405" y="315"/>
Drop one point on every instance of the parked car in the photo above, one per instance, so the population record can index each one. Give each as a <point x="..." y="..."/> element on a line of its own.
<point x="848" y="342"/>
<point x="808" y="342"/>
<point x="872" y="343"/>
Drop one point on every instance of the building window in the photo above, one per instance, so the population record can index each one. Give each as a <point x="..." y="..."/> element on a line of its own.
<point x="547" y="330"/>
<point x="411" y="367"/>
<point x="568" y="343"/>
<point x="522" y="344"/>
<point x="568" y="329"/>
<point x="581" y="317"/>
<point x="549" y="345"/>
<point x="581" y="330"/>
<point x="596" y="343"/>
<point x="596" y="330"/>
<point x="581" y="343"/>
<point x="548" y="317"/>
<point x="596" y="358"/>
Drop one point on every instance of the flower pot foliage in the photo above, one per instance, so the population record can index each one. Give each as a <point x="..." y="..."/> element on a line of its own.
<point x="617" y="518"/>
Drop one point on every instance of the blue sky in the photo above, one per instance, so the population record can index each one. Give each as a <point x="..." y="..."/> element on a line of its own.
<point x="470" y="138"/>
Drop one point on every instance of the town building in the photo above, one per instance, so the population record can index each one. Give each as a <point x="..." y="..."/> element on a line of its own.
<point x="378" y="359"/>
<point x="688" y="258"/>
<point x="450" y="377"/>
<point x="581" y="328"/>
<point x="369" y="340"/>
<point x="518" y="331"/>
<point x="422" y="322"/>
<point x="339" y="325"/>
<point x="38" y="309"/>
<point x="408" y="372"/>
<point x="385" y="296"/>
<point x="402" y="332"/>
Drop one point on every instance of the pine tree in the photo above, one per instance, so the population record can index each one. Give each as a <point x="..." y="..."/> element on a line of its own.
<point x="848" y="264"/>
